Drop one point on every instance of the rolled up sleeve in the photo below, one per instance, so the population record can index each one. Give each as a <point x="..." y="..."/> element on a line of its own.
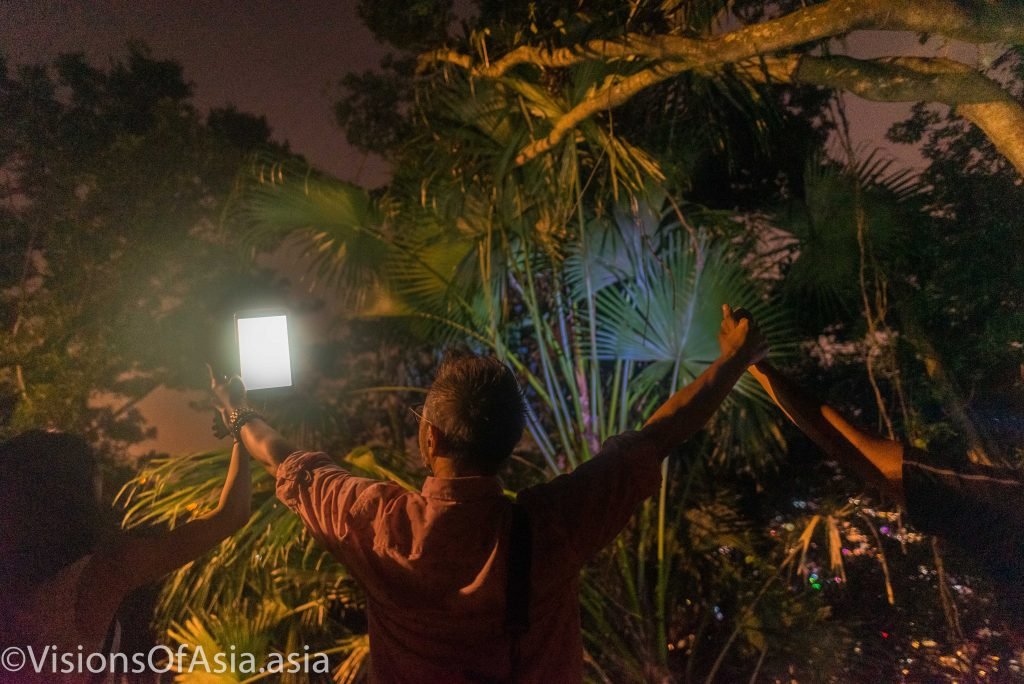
<point x="335" y="506"/>
<point x="977" y="508"/>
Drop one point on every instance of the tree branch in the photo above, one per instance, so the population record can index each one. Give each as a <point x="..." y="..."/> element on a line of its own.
<point x="807" y="25"/>
<point x="121" y="410"/>
<point x="911" y="79"/>
<point x="631" y="47"/>
<point x="898" y="79"/>
<point x="980" y="21"/>
<point x="607" y="97"/>
<point x="972" y="21"/>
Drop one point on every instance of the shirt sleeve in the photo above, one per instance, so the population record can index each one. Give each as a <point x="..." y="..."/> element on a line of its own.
<point x="337" y="507"/>
<point x="979" y="509"/>
<point x="592" y="504"/>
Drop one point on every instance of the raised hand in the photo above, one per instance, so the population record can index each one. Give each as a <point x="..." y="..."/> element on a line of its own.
<point x="228" y="393"/>
<point x="740" y="338"/>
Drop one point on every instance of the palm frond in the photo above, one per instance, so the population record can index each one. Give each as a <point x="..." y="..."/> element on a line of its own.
<point x="357" y="649"/>
<point x="866" y="196"/>
<point x="335" y="227"/>
<point x="172" y="490"/>
<point x="229" y="637"/>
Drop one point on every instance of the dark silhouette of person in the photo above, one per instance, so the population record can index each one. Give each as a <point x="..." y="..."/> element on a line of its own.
<point x="64" y="568"/>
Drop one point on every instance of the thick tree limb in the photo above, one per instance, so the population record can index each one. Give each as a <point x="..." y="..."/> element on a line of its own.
<point x="807" y="25"/>
<point x="632" y="47"/>
<point x="895" y="80"/>
<point x="886" y="79"/>
<point x="1003" y="123"/>
<point x="972" y="21"/>
<point x="977" y="21"/>
<point x="911" y="79"/>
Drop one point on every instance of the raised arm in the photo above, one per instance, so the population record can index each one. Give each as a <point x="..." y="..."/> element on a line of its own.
<point x="605" y="490"/>
<point x="263" y="442"/>
<point x="130" y="561"/>
<point x="686" y="411"/>
<point x="312" y="485"/>
<point x="878" y="461"/>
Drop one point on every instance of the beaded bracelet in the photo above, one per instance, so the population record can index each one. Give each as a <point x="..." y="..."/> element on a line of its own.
<point x="240" y="417"/>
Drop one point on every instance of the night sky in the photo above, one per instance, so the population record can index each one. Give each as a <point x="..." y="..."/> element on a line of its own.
<point x="280" y="59"/>
<point x="284" y="60"/>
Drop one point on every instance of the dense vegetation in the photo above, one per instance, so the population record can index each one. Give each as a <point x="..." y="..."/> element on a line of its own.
<point x="597" y="269"/>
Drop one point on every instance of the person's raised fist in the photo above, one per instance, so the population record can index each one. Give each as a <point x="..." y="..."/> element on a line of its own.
<point x="740" y="338"/>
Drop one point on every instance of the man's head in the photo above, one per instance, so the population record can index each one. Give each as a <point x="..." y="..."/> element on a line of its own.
<point x="474" y="415"/>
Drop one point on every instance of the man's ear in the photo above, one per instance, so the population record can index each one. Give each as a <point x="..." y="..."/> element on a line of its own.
<point x="435" y="438"/>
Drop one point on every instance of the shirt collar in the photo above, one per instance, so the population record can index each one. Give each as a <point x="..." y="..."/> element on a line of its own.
<point x="461" y="489"/>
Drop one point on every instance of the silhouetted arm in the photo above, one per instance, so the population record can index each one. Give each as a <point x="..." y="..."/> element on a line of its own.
<point x="877" y="460"/>
<point x="130" y="561"/>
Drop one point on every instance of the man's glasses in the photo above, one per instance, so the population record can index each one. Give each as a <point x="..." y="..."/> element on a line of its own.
<point x="417" y="411"/>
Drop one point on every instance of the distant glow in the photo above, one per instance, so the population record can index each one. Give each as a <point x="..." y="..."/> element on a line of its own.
<point x="263" y="353"/>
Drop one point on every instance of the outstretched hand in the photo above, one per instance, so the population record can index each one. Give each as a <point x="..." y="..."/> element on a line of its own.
<point x="228" y="393"/>
<point x="740" y="338"/>
<point x="261" y="441"/>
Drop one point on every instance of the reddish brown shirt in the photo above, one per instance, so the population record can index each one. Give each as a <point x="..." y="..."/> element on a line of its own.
<point x="433" y="563"/>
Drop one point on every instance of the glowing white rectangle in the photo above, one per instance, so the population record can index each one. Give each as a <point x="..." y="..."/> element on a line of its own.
<point x="263" y="354"/>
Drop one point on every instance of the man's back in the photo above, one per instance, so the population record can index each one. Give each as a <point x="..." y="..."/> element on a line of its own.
<point x="434" y="564"/>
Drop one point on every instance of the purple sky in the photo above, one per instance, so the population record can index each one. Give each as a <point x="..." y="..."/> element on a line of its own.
<point x="281" y="59"/>
<point x="284" y="60"/>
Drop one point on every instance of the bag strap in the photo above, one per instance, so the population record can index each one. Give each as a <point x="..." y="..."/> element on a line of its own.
<point x="111" y="644"/>
<point x="517" y="592"/>
<point x="520" y="559"/>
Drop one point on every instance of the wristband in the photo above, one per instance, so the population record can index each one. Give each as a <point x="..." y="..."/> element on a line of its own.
<point x="240" y="417"/>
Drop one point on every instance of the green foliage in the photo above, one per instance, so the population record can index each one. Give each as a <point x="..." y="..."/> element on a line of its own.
<point x="374" y="109"/>
<point x="845" y="217"/>
<point x="602" y="291"/>
<point x="113" y="264"/>
<point x="968" y="291"/>
<point x="413" y="25"/>
<point x="728" y="140"/>
<point x="602" y="329"/>
<point x="268" y="586"/>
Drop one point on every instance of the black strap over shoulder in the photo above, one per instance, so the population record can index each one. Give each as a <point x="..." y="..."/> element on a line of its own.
<point x="111" y="644"/>
<point x="517" y="594"/>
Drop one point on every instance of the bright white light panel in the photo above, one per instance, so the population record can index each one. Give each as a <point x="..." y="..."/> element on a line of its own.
<point x="263" y="352"/>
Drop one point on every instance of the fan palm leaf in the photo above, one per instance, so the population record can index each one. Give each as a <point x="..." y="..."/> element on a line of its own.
<point x="830" y="233"/>
<point x="340" y="227"/>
